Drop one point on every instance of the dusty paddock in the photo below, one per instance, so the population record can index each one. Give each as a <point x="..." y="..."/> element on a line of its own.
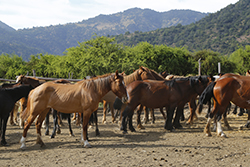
<point x="150" y="147"/>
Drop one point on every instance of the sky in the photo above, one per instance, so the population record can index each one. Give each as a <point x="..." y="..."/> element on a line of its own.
<point x="21" y="14"/>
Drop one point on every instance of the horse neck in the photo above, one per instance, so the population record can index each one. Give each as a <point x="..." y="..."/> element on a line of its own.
<point x="131" y="77"/>
<point x="18" y="92"/>
<point x="101" y="86"/>
<point x="33" y="82"/>
<point x="157" y="76"/>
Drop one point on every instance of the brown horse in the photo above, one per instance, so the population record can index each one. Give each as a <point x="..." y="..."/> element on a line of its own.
<point x="229" y="87"/>
<point x="84" y="96"/>
<point x="159" y="94"/>
<point x="34" y="82"/>
<point x="142" y="73"/>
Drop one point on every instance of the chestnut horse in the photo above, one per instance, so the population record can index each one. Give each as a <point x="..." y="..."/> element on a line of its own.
<point x="159" y="94"/>
<point x="84" y="96"/>
<point x="229" y="87"/>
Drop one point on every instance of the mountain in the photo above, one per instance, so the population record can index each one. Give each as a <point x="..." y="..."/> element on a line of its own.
<point x="223" y="31"/>
<point x="56" y="39"/>
<point x="6" y="27"/>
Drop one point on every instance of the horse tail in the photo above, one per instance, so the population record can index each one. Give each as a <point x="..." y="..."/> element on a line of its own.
<point x="207" y="94"/>
<point x="26" y="112"/>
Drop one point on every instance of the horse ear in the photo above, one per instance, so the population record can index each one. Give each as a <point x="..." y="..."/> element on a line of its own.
<point x="116" y="74"/>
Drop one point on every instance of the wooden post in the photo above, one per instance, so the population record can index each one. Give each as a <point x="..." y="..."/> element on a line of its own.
<point x="34" y="73"/>
<point x="219" y="68"/>
<point x="199" y="70"/>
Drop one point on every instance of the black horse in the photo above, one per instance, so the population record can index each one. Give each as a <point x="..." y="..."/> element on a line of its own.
<point x="8" y="98"/>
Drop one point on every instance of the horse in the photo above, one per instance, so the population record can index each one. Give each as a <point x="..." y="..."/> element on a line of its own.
<point x="34" y="82"/>
<point x="140" y="74"/>
<point x="159" y="94"/>
<point x="8" y="98"/>
<point x="13" y="113"/>
<point x="228" y="88"/>
<point x="84" y="97"/>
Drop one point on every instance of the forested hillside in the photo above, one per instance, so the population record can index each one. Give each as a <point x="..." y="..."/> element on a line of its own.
<point x="56" y="39"/>
<point x="223" y="31"/>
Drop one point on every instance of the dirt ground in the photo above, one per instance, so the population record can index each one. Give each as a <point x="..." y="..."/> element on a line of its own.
<point x="152" y="146"/>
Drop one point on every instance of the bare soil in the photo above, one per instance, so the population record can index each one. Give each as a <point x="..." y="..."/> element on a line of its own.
<point x="152" y="146"/>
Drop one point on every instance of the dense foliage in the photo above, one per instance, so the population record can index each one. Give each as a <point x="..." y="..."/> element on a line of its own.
<point x="101" y="55"/>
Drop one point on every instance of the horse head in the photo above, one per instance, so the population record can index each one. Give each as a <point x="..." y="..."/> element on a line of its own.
<point x="118" y="87"/>
<point x="145" y="73"/>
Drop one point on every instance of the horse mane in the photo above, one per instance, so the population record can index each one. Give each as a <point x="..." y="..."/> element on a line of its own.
<point x="156" y="75"/>
<point x="131" y="77"/>
<point x="98" y="81"/>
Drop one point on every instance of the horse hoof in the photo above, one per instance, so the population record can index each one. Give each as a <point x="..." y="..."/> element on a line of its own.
<point x="87" y="146"/>
<point x="223" y="135"/>
<point x="5" y="144"/>
<point x="52" y="137"/>
<point x="140" y="127"/>
<point x="72" y="134"/>
<point x="58" y="132"/>
<point x="208" y="134"/>
<point x="124" y="132"/>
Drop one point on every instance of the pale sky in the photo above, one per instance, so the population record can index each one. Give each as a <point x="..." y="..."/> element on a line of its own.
<point x="21" y="14"/>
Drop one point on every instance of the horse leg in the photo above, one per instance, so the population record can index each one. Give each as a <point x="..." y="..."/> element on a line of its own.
<point x="207" y="128"/>
<point x="11" y="117"/>
<point x="152" y="115"/>
<point x="226" y="124"/>
<point x="124" y="115"/>
<point x="248" y="119"/>
<point x="27" y="125"/>
<point x="59" y="119"/>
<point x="163" y="114"/>
<point x="192" y="106"/>
<point x="112" y="111"/>
<point x="130" y="121"/>
<point x="168" y="123"/>
<point x="78" y="120"/>
<point x="138" y="118"/>
<point x="178" y="113"/>
<point x="74" y="117"/>
<point x="39" y="122"/>
<point x="47" y="124"/>
<point x="3" y="130"/>
<point x="55" y="122"/>
<point x="86" y="115"/>
<point x="241" y="112"/>
<point x="104" y="111"/>
<point x="97" y="132"/>
<point x="23" y="102"/>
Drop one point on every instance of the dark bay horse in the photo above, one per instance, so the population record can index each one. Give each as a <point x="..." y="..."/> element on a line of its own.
<point x="8" y="98"/>
<point x="142" y="73"/>
<point x="84" y="97"/>
<point x="229" y="87"/>
<point x="159" y="94"/>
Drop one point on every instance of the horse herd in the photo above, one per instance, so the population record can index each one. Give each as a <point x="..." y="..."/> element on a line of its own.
<point x="142" y="89"/>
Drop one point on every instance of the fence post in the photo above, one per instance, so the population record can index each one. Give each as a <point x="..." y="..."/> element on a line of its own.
<point x="34" y="73"/>
<point x="199" y="70"/>
<point x="219" y="70"/>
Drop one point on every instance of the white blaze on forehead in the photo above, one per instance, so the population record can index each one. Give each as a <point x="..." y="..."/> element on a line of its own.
<point x="248" y="101"/>
<point x="123" y="83"/>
